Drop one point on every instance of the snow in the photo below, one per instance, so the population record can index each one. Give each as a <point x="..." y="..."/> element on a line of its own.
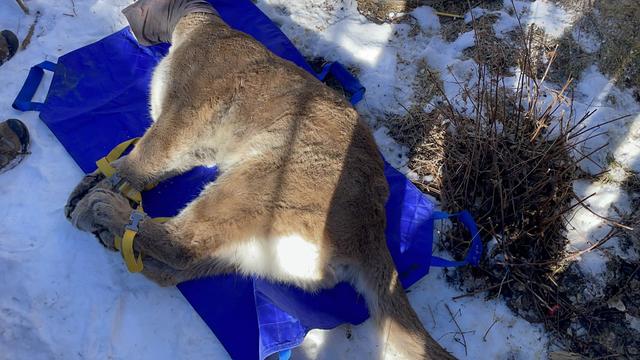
<point x="614" y="247"/>
<point x="553" y="19"/>
<point x="509" y="337"/>
<point x="620" y="155"/>
<point x="589" y="227"/>
<point x="394" y="153"/>
<point x="427" y="19"/>
<point x="544" y="14"/>
<point x="585" y="228"/>
<point x="504" y="24"/>
<point x="633" y="321"/>
<point x="64" y="296"/>
<point x="588" y="42"/>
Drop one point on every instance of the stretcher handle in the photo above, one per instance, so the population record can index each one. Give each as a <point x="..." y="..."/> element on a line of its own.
<point x="475" y="248"/>
<point x="23" y="101"/>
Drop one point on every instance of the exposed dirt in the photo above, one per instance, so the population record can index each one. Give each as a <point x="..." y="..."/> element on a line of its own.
<point x="381" y="11"/>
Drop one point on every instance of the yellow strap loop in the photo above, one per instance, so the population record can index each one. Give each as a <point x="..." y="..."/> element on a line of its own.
<point x="151" y="186"/>
<point x="105" y="167"/>
<point x="134" y="264"/>
<point x="125" y="246"/>
<point x="133" y="195"/>
<point x="130" y="192"/>
<point x="117" y="242"/>
<point x="104" y="164"/>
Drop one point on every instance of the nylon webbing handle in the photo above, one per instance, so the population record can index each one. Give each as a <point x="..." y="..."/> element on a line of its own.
<point x="475" y="248"/>
<point x="23" y="101"/>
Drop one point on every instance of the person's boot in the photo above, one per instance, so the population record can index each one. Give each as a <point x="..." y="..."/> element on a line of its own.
<point x="14" y="143"/>
<point x="8" y="45"/>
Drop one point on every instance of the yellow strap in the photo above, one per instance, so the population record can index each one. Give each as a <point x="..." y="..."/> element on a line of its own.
<point x="134" y="264"/>
<point x="117" y="151"/>
<point x="151" y="186"/>
<point x="104" y="164"/>
<point x="130" y="192"/>
<point x="105" y="167"/>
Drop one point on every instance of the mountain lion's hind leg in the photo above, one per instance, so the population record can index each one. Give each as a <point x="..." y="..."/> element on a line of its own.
<point x="162" y="274"/>
<point x="188" y="245"/>
<point x="230" y="227"/>
<point x="106" y="209"/>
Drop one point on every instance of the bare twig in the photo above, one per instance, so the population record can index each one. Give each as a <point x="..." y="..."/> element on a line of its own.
<point x="481" y="290"/>
<point x="23" y="6"/>
<point x="599" y="126"/>
<point x="73" y="9"/>
<point x="32" y="28"/>
<point x="484" y="337"/>
<point x="464" y="340"/>
<point x="432" y="316"/>
<point x="608" y="220"/>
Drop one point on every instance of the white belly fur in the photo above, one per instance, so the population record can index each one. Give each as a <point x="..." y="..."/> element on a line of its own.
<point x="290" y="259"/>
<point x="159" y="86"/>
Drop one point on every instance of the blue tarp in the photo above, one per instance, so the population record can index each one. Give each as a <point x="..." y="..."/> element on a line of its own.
<point x="99" y="97"/>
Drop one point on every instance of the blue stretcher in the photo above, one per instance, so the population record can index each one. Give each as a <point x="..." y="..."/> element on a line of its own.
<point x="99" y="97"/>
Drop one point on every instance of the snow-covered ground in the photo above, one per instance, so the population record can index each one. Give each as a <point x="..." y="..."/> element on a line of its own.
<point x="62" y="296"/>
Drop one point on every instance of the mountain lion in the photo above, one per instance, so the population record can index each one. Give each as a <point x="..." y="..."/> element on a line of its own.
<point x="301" y="194"/>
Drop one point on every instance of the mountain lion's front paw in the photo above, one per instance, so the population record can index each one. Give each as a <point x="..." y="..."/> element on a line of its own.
<point x="81" y="190"/>
<point x="101" y="209"/>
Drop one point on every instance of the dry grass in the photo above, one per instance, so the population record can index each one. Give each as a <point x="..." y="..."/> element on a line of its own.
<point x="499" y="55"/>
<point x="380" y="10"/>
<point x="613" y="28"/>
<point x="617" y="24"/>
<point x="612" y="24"/>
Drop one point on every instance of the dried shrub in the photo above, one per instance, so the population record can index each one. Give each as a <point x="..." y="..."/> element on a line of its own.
<point x="511" y="166"/>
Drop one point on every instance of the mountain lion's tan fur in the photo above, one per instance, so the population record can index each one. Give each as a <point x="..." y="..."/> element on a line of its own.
<point x="301" y="194"/>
